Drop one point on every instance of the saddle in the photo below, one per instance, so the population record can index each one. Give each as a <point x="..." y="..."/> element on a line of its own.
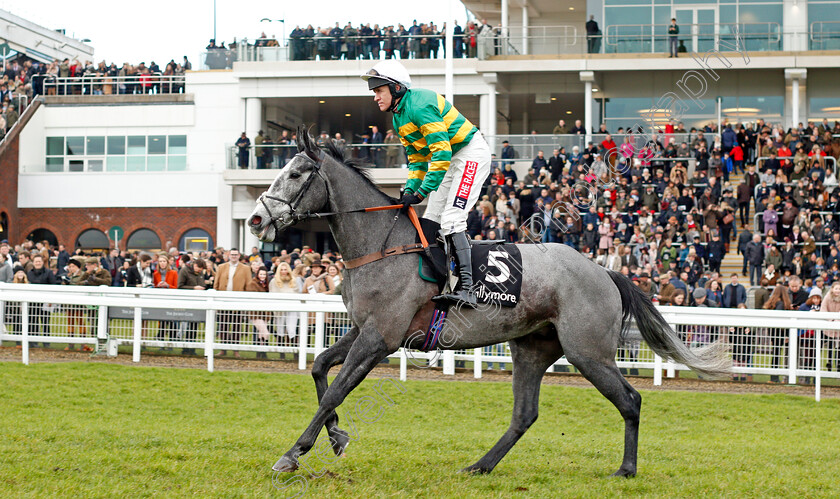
<point x="497" y="266"/>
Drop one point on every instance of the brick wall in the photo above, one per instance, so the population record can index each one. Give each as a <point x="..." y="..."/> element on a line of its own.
<point x="9" y="187"/>
<point x="67" y="223"/>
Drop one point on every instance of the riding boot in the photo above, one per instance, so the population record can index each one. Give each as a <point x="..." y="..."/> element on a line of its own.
<point x="463" y="254"/>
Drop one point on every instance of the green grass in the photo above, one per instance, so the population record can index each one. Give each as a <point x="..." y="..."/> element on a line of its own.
<point x="106" y="431"/>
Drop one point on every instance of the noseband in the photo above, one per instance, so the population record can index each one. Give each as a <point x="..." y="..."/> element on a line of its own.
<point x="292" y="216"/>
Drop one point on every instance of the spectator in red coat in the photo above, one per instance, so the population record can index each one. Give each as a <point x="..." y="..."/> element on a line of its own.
<point x="737" y="155"/>
<point x="611" y="151"/>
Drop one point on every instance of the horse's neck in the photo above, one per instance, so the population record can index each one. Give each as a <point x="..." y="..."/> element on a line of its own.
<point x="358" y="234"/>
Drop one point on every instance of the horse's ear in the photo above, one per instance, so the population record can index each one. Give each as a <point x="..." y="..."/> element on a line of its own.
<point x="302" y="137"/>
<point x="306" y="144"/>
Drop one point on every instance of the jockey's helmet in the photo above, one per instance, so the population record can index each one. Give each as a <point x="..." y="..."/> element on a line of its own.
<point x="389" y="72"/>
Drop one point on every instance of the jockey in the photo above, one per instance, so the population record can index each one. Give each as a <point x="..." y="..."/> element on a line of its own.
<point x="448" y="160"/>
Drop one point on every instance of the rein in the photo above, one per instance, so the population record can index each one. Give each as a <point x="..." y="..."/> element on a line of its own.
<point x="294" y="217"/>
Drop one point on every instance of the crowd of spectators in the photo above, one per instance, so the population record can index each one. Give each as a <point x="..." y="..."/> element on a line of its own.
<point x="299" y="271"/>
<point x="24" y="79"/>
<point x="373" y="147"/>
<point x="417" y="41"/>
<point x="634" y="209"/>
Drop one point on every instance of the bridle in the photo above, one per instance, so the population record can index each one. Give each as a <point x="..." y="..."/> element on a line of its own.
<point x="292" y="216"/>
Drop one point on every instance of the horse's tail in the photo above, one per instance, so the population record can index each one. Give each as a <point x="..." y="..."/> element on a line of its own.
<point x="711" y="360"/>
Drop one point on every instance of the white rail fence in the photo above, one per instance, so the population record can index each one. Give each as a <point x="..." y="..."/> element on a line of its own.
<point x="776" y="343"/>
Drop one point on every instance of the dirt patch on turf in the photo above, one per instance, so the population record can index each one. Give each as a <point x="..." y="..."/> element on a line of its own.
<point x="155" y="359"/>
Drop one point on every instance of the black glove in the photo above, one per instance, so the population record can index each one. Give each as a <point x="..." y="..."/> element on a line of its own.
<point x="410" y="199"/>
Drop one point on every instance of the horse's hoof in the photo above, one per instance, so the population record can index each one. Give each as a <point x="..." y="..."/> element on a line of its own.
<point x="340" y="440"/>
<point x="624" y="473"/>
<point x="285" y="465"/>
<point x="475" y="470"/>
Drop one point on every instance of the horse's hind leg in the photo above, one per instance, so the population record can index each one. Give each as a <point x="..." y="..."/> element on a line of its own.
<point x="606" y="377"/>
<point x="330" y="357"/>
<point x="532" y="355"/>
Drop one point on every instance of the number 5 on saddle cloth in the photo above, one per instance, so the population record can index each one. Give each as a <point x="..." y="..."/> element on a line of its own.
<point x="497" y="274"/>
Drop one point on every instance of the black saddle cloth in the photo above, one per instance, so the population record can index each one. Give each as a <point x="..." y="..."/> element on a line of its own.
<point x="497" y="266"/>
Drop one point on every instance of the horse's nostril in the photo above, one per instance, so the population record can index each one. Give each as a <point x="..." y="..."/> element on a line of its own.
<point x="256" y="220"/>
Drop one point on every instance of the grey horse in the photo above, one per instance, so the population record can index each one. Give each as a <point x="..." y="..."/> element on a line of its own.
<point x="568" y="306"/>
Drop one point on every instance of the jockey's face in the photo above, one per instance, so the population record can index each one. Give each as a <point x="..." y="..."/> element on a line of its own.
<point x="382" y="96"/>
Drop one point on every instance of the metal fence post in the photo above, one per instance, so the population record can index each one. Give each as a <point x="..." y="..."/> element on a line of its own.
<point x="477" y="363"/>
<point x="24" y="330"/>
<point x="303" y="332"/>
<point x="792" y="355"/>
<point x="319" y="333"/>
<point x="138" y="332"/>
<point x="210" y="337"/>
<point x="403" y="364"/>
<point x="657" y="370"/>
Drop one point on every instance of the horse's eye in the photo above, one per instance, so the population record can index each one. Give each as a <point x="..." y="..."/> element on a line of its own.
<point x="294" y="175"/>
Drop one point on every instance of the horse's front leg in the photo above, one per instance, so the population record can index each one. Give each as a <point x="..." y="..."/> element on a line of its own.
<point x="368" y="349"/>
<point x="333" y="356"/>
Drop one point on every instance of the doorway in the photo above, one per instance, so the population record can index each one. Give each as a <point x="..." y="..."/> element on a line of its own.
<point x="698" y="27"/>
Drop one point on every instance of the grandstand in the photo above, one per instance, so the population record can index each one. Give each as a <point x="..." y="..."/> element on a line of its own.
<point x="742" y="63"/>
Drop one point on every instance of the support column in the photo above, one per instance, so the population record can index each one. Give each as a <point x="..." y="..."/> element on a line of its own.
<point x="524" y="28"/>
<point x="253" y="117"/>
<point x="795" y="95"/>
<point x="505" y="18"/>
<point x="449" y="83"/>
<point x="483" y="117"/>
<point x="795" y="14"/>
<point x="587" y="77"/>
<point x="489" y="128"/>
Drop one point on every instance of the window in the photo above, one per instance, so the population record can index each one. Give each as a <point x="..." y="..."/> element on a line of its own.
<point x="195" y="240"/>
<point x="157" y="144"/>
<point x="39" y="235"/>
<point x="75" y="146"/>
<point x="93" y="239"/>
<point x="4" y="225"/>
<point x="824" y="107"/>
<point x="55" y="146"/>
<point x="136" y="145"/>
<point x="118" y="153"/>
<point x="116" y="146"/>
<point x="95" y="146"/>
<point x="143" y="239"/>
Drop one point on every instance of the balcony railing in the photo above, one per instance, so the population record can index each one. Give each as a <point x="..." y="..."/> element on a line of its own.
<point x="653" y="38"/>
<point x="536" y="40"/>
<point x="825" y="35"/>
<point x="526" y="147"/>
<point x="115" y="85"/>
<point x="273" y="156"/>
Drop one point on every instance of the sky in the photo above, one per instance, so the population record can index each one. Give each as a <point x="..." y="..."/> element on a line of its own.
<point x="160" y="31"/>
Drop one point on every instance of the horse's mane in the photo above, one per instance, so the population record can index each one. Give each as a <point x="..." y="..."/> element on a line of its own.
<point x="360" y="166"/>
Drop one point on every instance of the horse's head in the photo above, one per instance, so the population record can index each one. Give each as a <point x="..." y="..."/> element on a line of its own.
<point x="298" y="189"/>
